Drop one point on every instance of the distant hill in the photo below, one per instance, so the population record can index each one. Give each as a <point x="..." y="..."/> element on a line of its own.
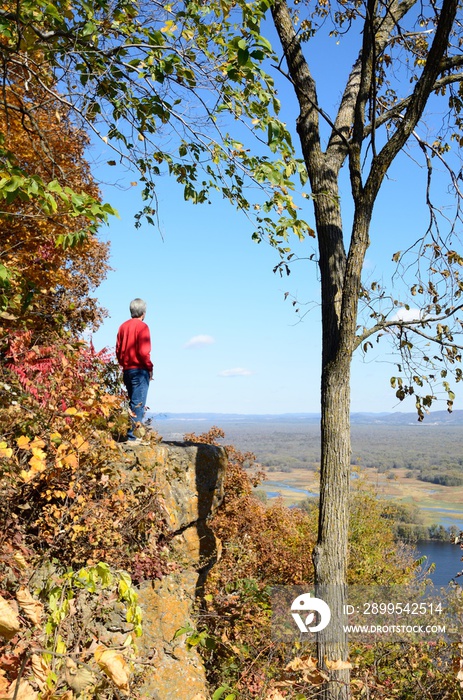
<point x="434" y="418"/>
<point x="238" y="417"/>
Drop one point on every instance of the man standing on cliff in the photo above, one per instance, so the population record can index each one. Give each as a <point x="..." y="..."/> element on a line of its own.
<point x="133" y="347"/>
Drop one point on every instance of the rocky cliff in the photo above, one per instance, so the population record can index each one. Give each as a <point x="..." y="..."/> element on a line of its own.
<point x="190" y="478"/>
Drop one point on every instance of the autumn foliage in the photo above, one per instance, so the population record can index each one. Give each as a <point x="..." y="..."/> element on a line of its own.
<point x="70" y="519"/>
<point x="47" y="283"/>
<point x="77" y="529"/>
<point x="268" y="544"/>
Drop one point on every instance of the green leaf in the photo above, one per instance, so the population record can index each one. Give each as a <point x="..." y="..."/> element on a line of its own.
<point x="220" y="692"/>
<point x="183" y="630"/>
<point x="243" y="57"/>
<point x="13" y="183"/>
<point x="54" y="186"/>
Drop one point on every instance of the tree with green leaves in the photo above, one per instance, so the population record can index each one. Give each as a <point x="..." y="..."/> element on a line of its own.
<point x="152" y="80"/>
<point x="408" y="55"/>
<point x="158" y="82"/>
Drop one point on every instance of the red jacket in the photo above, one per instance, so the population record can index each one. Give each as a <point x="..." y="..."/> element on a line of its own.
<point x="133" y="345"/>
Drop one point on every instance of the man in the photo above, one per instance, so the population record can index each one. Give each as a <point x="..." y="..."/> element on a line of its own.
<point x="133" y="347"/>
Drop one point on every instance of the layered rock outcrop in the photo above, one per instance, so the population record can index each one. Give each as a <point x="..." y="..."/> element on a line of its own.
<point x="190" y="480"/>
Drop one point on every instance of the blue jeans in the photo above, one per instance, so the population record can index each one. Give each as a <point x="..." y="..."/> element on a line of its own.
<point x="137" y="382"/>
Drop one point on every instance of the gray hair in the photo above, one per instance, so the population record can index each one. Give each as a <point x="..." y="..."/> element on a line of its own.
<point x="137" y="308"/>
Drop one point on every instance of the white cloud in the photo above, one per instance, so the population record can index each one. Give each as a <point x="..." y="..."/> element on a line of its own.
<point x="198" y="341"/>
<point x="407" y="315"/>
<point x="235" y="372"/>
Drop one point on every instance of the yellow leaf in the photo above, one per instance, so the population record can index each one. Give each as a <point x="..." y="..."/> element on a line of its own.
<point x="37" y="442"/>
<point x="169" y="26"/>
<point x="39" y="453"/>
<point x="60" y="645"/>
<point x="72" y="411"/>
<point x="60" y="455"/>
<point x="40" y="669"/>
<point x="9" y="622"/>
<point x="33" y="609"/>
<point x="37" y="465"/>
<point x="27" y="476"/>
<point x="23" y="442"/>
<point x="20" y="561"/>
<point x="5" y="451"/>
<point x="114" y="665"/>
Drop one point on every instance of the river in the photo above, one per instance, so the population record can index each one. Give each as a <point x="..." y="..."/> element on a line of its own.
<point x="447" y="558"/>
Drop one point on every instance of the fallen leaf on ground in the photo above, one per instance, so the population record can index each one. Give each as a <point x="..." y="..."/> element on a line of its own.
<point x="40" y="669"/>
<point x="3" y="683"/>
<point x="20" y="561"/>
<point x="307" y="667"/>
<point x="33" y="609"/>
<point x="114" y="665"/>
<point x="78" y="677"/>
<point x="337" y="665"/>
<point x="303" y="663"/>
<point x="9" y="622"/>
<point x="274" y="695"/>
<point x="25" y="691"/>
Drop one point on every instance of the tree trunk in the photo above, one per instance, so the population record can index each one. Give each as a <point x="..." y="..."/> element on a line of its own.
<point x="340" y="294"/>
<point x="330" y="554"/>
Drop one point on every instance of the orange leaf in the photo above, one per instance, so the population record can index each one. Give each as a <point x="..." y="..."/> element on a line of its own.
<point x="3" y="683"/>
<point x="71" y="460"/>
<point x="37" y="443"/>
<point x="80" y="443"/>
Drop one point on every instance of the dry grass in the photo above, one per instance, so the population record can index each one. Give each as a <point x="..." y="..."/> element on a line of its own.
<point x="441" y="499"/>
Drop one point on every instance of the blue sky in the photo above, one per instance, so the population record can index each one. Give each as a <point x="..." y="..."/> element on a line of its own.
<point x="224" y="338"/>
